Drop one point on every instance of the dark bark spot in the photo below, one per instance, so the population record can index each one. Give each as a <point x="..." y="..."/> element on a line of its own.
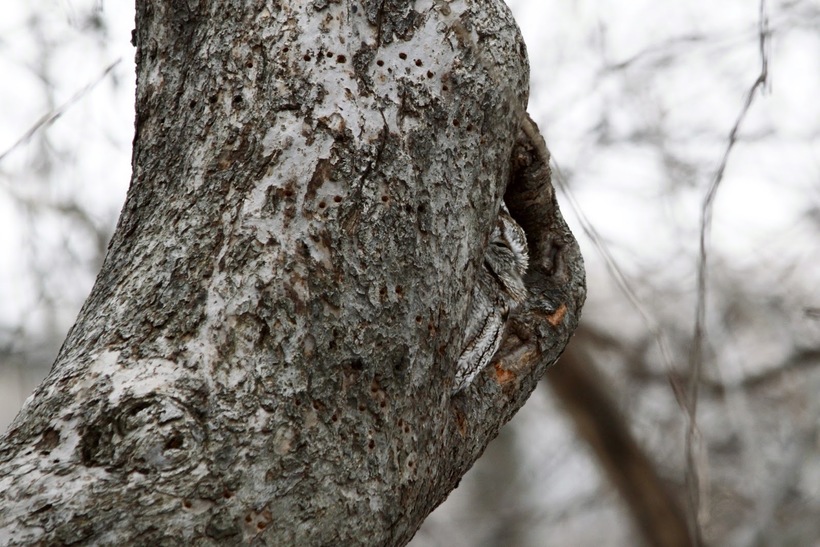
<point x="321" y="174"/>
<point x="402" y="56"/>
<point x="48" y="441"/>
<point x="174" y="443"/>
<point x="42" y="509"/>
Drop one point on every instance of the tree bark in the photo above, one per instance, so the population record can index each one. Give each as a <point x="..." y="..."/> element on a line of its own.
<point x="267" y="356"/>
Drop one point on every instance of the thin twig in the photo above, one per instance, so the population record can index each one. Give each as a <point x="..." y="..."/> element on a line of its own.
<point x="696" y="358"/>
<point x="50" y="117"/>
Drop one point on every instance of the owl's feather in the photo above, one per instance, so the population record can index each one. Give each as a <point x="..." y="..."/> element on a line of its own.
<point x="498" y="290"/>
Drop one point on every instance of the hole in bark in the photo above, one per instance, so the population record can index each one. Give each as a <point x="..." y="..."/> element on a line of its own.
<point x="334" y="418"/>
<point x="306" y="57"/>
<point x="174" y="442"/>
<point x="227" y="494"/>
<point x="445" y="88"/>
<point x="399" y="289"/>
<point x="430" y="74"/>
<point x="383" y="404"/>
<point x="186" y="504"/>
<point x="297" y="402"/>
<point x="249" y="64"/>
<point x="248" y="518"/>
<point x="330" y="54"/>
<point x="237" y="100"/>
<point x="337" y="199"/>
<point x="383" y="291"/>
<point x="418" y="319"/>
<point x="385" y="199"/>
<point x="407" y="429"/>
<point x="341" y="59"/>
<point x="362" y="408"/>
<point x="261" y="525"/>
<point x="285" y="49"/>
<point x="469" y="127"/>
<point x="212" y="99"/>
<point x="402" y="56"/>
<point x="418" y="62"/>
<point x="456" y="123"/>
<point x="192" y="104"/>
<point x="322" y="205"/>
<point x="371" y="444"/>
<point x="380" y="62"/>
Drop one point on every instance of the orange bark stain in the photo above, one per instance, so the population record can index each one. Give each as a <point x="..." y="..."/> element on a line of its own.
<point x="502" y="375"/>
<point x="556" y="318"/>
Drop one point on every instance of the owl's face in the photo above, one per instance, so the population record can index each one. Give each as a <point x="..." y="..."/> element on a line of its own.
<point x="507" y="257"/>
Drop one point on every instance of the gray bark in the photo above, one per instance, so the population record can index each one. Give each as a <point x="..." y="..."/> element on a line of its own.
<point x="268" y="353"/>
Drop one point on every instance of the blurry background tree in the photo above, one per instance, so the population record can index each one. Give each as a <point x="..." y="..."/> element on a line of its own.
<point x="637" y="101"/>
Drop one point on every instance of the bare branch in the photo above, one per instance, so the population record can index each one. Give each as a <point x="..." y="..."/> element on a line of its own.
<point x="696" y="359"/>
<point x="655" y="511"/>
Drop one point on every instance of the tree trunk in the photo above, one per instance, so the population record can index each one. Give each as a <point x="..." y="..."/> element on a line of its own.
<point x="268" y="354"/>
